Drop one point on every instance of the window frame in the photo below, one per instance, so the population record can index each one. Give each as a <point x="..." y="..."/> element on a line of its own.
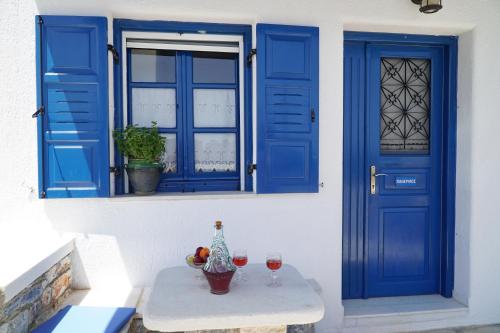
<point x="124" y="28"/>
<point x="185" y="85"/>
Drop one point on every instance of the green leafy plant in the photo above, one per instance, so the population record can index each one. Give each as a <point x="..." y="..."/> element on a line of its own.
<point x="140" y="143"/>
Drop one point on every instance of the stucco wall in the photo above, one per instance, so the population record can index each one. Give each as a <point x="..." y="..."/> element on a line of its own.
<point x="126" y="241"/>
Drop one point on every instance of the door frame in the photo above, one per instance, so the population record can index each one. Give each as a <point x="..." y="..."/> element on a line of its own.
<point x="355" y="182"/>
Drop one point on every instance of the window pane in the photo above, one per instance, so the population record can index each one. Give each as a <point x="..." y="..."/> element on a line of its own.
<point x="214" y="107"/>
<point x="170" y="156"/>
<point x="210" y="67"/>
<point x="153" y="65"/>
<point x="154" y="104"/>
<point x="405" y="105"/>
<point x="215" y="152"/>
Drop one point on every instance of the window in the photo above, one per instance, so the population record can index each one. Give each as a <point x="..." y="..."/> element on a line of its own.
<point x="191" y="90"/>
<point x="195" y="80"/>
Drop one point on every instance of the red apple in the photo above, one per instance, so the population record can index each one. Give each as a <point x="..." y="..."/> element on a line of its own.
<point x="198" y="249"/>
<point x="198" y="260"/>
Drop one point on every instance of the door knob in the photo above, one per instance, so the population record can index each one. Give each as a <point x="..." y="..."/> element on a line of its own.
<point x="373" y="178"/>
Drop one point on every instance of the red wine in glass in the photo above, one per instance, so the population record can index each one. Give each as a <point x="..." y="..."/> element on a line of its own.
<point x="273" y="265"/>
<point x="273" y="262"/>
<point x="240" y="259"/>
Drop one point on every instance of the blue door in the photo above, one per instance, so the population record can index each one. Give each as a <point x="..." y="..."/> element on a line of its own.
<point x="403" y="164"/>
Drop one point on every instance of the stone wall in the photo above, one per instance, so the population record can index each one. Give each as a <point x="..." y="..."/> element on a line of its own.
<point x="136" y="326"/>
<point x="38" y="301"/>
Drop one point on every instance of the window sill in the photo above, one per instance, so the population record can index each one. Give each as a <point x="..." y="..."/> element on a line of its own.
<point x="165" y="196"/>
<point x="215" y="195"/>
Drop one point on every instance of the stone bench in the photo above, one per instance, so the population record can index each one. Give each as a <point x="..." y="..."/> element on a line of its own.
<point x="37" y="286"/>
<point x="34" y="283"/>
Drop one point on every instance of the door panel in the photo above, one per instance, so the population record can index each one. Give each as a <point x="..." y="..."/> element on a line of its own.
<point x="404" y="145"/>
<point x="403" y="238"/>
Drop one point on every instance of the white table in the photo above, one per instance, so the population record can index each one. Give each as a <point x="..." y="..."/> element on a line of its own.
<point x="181" y="302"/>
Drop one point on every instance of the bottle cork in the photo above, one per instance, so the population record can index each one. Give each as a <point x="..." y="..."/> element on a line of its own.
<point x="218" y="224"/>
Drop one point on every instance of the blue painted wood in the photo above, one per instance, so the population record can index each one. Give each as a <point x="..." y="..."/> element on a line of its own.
<point x="178" y="175"/>
<point x="353" y="145"/>
<point x="354" y="173"/>
<point x="191" y="130"/>
<point x="40" y="102"/>
<point x="73" y="87"/>
<point x="186" y="178"/>
<point x="449" y="170"/>
<point x="383" y="37"/>
<point x="287" y="95"/>
<point x="173" y="184"/>
<point x="85" y="319"/>
<point x="404" y="226"/>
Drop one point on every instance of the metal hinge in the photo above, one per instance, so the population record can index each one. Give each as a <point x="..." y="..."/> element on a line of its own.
<point x="43" y="195"/>
<point x="40" y="19"/>
<point x="113" y="51"/>
<point x="313" y="115"/>
<point x="250" y="56"/>
<point x="251" y="168"/>
<point x="115" y="170"/>
<point x="39" y="112"/>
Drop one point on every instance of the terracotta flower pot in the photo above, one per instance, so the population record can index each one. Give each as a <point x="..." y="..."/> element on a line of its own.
<point x="219" y="282"/>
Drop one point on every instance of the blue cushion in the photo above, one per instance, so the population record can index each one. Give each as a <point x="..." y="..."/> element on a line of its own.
<point x="87" y="319"/>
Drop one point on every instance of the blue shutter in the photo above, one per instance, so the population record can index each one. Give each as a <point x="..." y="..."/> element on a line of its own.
<point x="287" y="108"/>
<point x="72" y="81"/>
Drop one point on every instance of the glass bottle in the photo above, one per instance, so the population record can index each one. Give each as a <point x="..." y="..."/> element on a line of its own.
<point x="219" y="260"/>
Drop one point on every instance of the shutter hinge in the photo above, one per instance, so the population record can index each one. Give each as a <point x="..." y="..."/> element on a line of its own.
<point x="43" y="195"/>
<point x="39" y="112"/>
<point x="250" y="56"/>
<point x="113" y="51"/>
<point x="115" y="170"/>
<point x="40" y="19"/>
<point x="313" y="115"/>
<point x="251" y="168"/>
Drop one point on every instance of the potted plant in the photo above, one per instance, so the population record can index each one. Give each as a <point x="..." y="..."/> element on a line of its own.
<point x="144" y="148"/>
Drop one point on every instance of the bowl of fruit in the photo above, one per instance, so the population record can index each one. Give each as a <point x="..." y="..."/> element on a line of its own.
<point x="199" y="258"/>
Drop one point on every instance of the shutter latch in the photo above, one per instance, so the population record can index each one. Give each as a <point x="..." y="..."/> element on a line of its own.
<point x="313" y="115"/>
<point x="250" y="56"/>
<point x="115" y="170"/>
<point x="251" y="168"/>
<point x="39" y="112"/>
<point x="113" y="51"/>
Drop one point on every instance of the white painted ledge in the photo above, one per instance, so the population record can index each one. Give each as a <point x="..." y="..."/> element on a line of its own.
<point x="411" y="312"/>
<point x="178" y="301"/>
<point x="389" y="306"/>
<point x="104" y="297"/>
<point x="215" y="195"/>
<point x="24" y="259"/>
<point x="141" y="305"/>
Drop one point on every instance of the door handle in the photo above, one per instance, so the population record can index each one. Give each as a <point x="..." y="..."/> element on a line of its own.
<point x="373" y="178"/>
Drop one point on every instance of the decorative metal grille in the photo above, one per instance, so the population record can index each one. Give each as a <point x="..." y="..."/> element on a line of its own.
<point x="405" y="105"/>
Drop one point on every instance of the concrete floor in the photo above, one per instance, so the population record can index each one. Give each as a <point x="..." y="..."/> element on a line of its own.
<point x="469" y="329"/>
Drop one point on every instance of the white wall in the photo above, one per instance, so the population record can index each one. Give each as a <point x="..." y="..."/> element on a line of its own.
<point x="126" y="241"/>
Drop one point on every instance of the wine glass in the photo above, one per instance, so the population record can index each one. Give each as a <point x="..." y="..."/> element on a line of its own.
<point x="240" y="259"/>
<point x="273" y="262"/>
